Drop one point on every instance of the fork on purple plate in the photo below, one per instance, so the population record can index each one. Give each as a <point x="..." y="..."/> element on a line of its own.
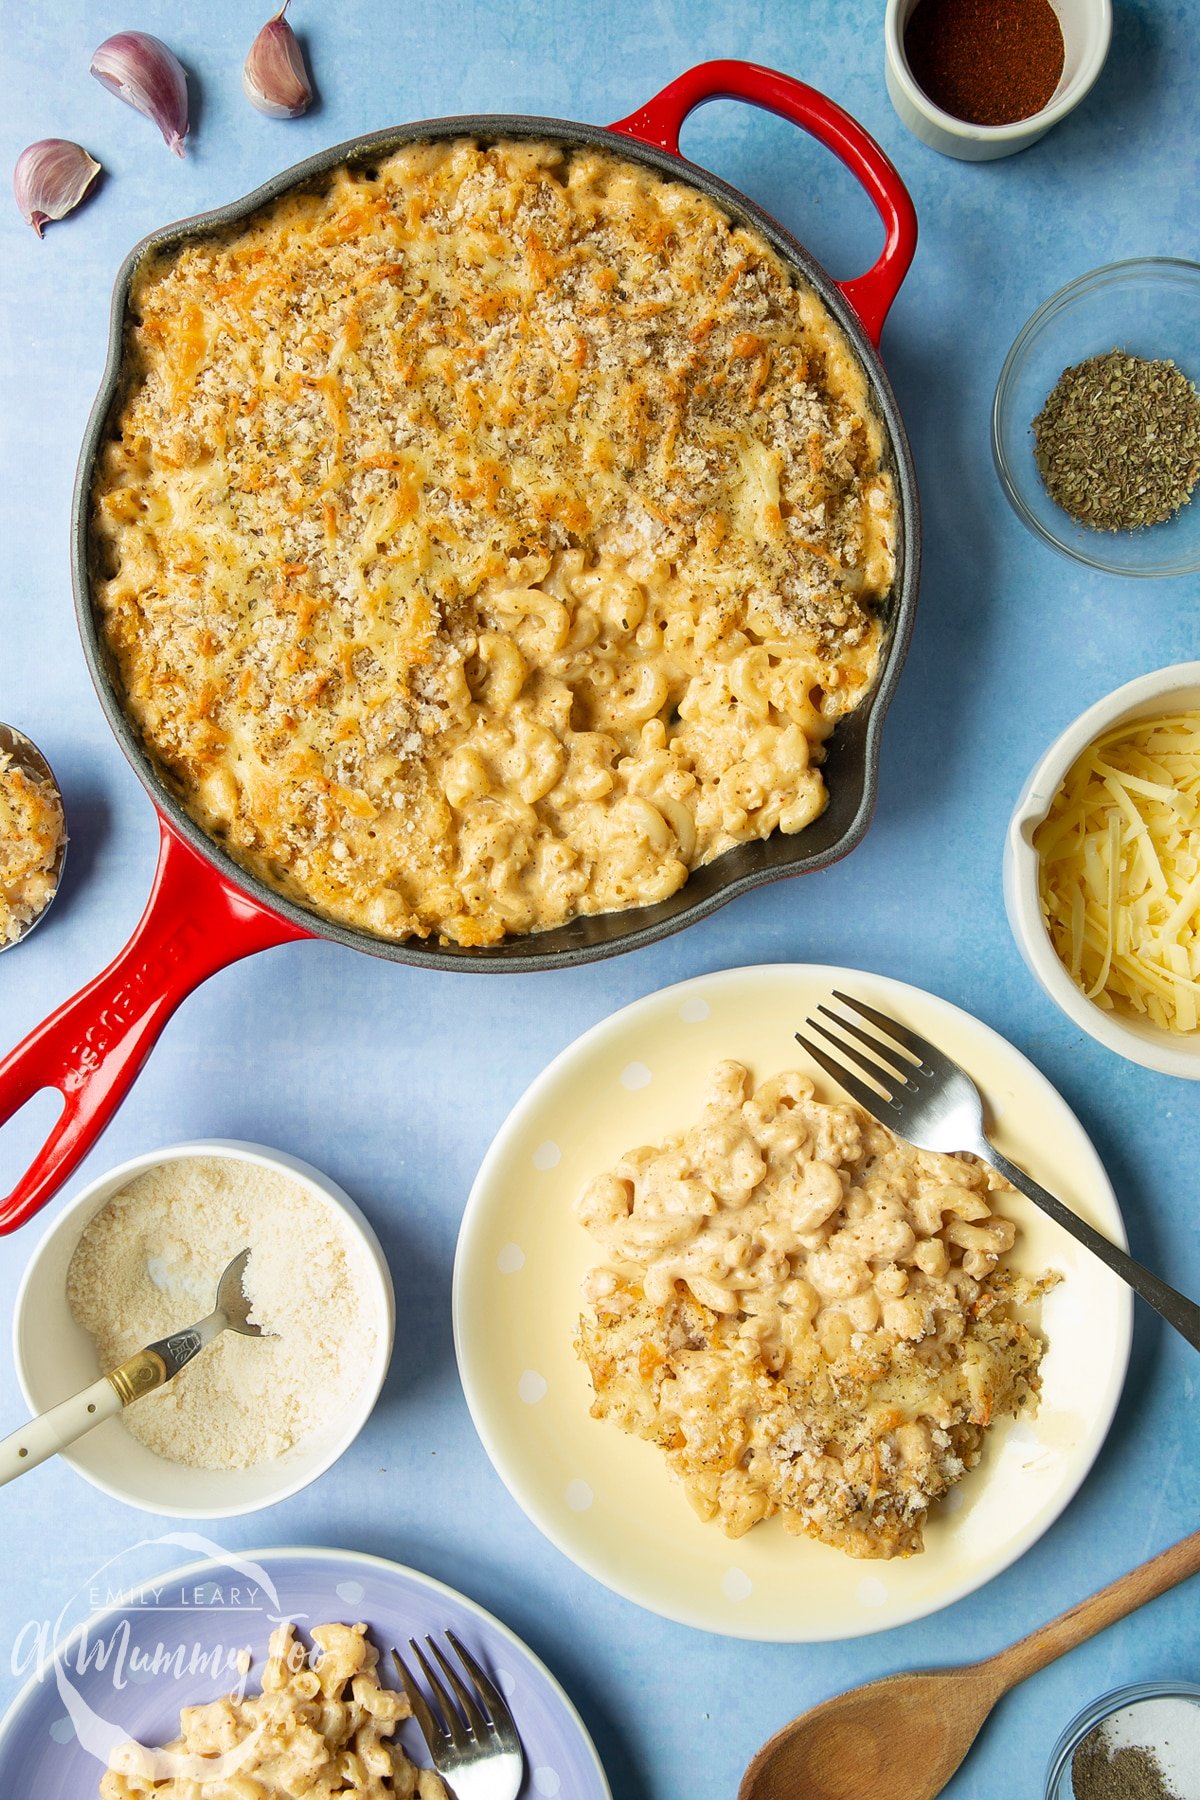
<point x="467" y="1726"/>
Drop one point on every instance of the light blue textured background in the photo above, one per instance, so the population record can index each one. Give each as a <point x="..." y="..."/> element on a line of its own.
<point x="394" y="1080"/>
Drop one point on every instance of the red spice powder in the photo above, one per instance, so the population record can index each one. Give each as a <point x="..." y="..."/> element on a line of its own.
<point x="988" y="62"/>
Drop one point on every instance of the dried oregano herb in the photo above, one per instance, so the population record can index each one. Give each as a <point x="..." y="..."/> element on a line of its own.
<point x="1118" y="441"/>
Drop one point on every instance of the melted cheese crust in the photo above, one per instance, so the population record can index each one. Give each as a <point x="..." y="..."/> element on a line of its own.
<point x="32" y="835"/>
<point x="808" y="1315"/>
<point x="489" y="537"/>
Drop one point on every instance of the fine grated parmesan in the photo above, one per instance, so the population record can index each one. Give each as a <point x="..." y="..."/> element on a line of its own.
<point x="1119" y="876"/>
<point x="148" y="1264"/>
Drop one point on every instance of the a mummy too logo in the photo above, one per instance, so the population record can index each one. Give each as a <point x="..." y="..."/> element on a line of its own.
<point x="198" y="1634"/>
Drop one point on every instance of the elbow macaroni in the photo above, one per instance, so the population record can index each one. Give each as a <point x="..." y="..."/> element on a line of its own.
<point x="322" y="1727"/>
<point x="32" y="836"/>
<point x="492" y="537"/>
<point x="806" y="1314"/>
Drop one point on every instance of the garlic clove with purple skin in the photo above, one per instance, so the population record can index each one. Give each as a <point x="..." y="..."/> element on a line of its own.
<point x="274" y="76"/>
<point x="140" y="70"/>
<point x="50" y="179"/>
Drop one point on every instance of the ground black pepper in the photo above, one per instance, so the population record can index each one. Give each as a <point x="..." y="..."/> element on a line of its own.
<point x="988" y="62"/>
<point x="1098" y="1772"/>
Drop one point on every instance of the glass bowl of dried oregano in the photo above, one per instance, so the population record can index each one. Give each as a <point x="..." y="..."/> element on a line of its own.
<point x="1096" y="421"/>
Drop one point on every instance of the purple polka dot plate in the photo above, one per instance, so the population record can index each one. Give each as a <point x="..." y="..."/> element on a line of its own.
<point x="127" y="1670"/>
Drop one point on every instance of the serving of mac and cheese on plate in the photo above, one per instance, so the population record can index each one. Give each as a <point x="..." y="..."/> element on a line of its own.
<point x="489" y="537"/>
<point x="803" y="1322"/>
<point x="807" y="1315"/>
<point x="247" y="1677"/>
<point x="322" y="1725"/>
<point x="33" y="836"/>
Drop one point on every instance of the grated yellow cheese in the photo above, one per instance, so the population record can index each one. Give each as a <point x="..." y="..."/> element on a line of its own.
<point x="1119" y="874"/>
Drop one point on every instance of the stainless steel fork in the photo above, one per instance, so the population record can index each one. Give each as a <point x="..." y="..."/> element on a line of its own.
<point x="934" y="1104"/>
<point x="471" y="1736"/>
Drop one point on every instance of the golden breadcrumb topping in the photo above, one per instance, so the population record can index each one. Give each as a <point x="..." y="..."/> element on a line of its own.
<point x="807" y="1315"/>
<point x="32" y="835"/>
<point x="489" y="537"/>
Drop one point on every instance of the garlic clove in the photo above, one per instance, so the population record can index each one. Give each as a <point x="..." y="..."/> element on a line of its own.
<point x="274" y="76"/>
<point x="50" y="178"/>
<point x="140" y="70"/>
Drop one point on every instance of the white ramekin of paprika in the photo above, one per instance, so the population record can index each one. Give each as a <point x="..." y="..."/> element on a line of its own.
<point x="978" y="86"/>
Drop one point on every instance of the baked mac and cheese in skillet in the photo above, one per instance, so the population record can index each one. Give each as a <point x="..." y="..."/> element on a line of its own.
<point x="490" y="537"/>
<point x="809" y="1316"/>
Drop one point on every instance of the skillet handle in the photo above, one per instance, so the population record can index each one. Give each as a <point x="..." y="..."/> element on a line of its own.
<point x="660" y="121"/>
<point x="92" y="1048"/>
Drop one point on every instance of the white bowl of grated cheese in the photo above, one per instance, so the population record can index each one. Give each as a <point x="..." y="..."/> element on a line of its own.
<point x="1129" y="816"/>
<point x="137" y="1254"/>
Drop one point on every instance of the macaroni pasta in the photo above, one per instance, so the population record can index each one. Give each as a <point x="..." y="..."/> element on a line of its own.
<point x="806" y="1314"/>
<point x="488" y="538"/>
<point x="321" y="1727"/>
<point x="32" y="837"/>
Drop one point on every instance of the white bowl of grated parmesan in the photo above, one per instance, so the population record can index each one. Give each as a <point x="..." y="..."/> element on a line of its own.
<point x="1102" y="871"/>
<point x="138" y="1254"/>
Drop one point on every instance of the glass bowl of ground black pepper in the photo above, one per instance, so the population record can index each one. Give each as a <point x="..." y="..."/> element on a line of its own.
<point x="980" y="79"/>
<point x="1139" y="1743"/>
<point x="1096" y="421"/>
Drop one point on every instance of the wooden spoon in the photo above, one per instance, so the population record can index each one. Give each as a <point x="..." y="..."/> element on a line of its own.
<point x="902" y="1738"/>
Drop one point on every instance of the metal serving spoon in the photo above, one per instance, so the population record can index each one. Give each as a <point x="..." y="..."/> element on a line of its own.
<point x="140" y="1374"/>
<point x="903" y="1738"/>
<point x="28" y="758"/>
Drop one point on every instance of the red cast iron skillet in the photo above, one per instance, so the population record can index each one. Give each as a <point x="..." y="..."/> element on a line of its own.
<point x="204" y="911"/>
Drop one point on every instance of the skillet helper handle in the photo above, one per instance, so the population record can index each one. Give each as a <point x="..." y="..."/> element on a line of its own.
<point x="660" y="121"/>
<point x="93" y="1046"/>
<point x="52" y="1431"/>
